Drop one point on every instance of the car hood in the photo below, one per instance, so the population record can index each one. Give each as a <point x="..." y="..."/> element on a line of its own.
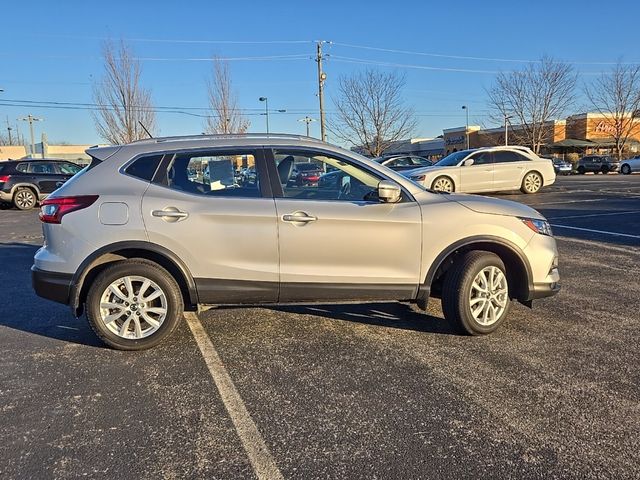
<point x="494" y="206"/>
<point x="419" y="170"/>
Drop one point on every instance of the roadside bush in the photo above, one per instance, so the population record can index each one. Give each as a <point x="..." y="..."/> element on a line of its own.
<point x="572" y="158"/>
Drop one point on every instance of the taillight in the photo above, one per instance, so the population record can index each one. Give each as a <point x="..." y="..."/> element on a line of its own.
<point x="53" y="209"/>
<point x="4" y="178"/>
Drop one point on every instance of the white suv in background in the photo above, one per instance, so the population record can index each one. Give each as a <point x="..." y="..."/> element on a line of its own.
<point x="157" y="226"/>
<point x="489" y="169"/>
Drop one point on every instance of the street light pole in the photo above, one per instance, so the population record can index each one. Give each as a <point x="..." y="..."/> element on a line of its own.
<point x="266" y="109"/>
<point x="506" y="129"/>
<point x="30" y="118"/>
<point x="466" y="131"/>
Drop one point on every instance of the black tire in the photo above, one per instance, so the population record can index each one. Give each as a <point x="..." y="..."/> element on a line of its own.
<point x="456" y="291"/>
<point x="625" y="169"/>
<point x="531" y="183"/>
<point x="442" y="180"/>
<point x="138" y="268"/>
<point x="604" y="169"/>
<point x="24" y="199"/>
<point x="581" y="170"/>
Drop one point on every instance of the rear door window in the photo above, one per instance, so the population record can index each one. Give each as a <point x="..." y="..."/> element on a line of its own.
<point x="220" y="174"/>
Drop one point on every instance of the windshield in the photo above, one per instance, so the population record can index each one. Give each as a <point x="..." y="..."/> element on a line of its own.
<point x="453" y="159"/>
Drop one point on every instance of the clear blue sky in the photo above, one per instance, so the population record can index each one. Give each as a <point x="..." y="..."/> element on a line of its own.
<point x="50" y="51"/>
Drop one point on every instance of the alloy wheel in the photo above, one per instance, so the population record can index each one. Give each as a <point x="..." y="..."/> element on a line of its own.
<point x="532" y="182"/>
<point x="133" y="307"/>
<point x="25" y="199"/>
<point x="489" y="296"/>
<point x="443" y="184"/>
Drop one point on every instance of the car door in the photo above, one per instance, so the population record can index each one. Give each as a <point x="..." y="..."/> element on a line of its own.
<point x="45" y="176"/>
<point x="67" y="170"/>
<point x="337" y="241"/>
<point x="225" y="232"/>
<point x="479" y="176"/>
<point x="508" y="169"/>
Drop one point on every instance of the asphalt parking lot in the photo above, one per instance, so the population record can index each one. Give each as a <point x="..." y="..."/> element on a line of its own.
<point x="343" y="391"/>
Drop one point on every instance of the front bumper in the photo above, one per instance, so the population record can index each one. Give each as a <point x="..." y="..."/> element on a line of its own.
<point x="52" y="285"/>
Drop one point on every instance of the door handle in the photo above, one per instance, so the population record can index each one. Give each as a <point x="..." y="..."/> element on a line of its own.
<point x="170" y="214"/>
<point x="299" y="217"/>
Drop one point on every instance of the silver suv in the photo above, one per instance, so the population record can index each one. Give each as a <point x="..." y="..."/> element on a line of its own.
<point x="157" y="226"/>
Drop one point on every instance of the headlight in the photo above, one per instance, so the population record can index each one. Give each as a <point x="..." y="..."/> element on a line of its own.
<point x="539" y="226"/>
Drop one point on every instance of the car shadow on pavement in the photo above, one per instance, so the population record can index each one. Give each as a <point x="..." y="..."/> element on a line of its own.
<point x="25" y="311"/>
<point x="388" y="314"/>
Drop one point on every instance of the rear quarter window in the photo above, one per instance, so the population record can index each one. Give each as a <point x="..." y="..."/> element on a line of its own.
<point x="144" y="168"/>
<point x="22" y="168"/>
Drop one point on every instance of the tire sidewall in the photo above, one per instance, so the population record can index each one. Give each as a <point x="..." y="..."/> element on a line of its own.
<point x="145" y="269"/>
<point x="626" y="169"/>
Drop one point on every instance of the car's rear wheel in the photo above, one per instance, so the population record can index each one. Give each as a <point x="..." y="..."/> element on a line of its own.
<point x="581" y="170"/>
<point x="443" y="184"/>
<point x="475" y="293"/>
<point x="604" y="169"/>
<point x="25" y="199"/>
<point x="626" y="169"/>
<point x="134" y="305"/>
<point x="531" y="183"/>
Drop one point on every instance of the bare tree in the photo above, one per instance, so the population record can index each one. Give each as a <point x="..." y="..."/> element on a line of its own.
<point x="123" y="103"/>
<point x="370" y="111"/>
<point x="616" y="96"/>
<point x="225" y="115"/>
<point x="543" y="91"/>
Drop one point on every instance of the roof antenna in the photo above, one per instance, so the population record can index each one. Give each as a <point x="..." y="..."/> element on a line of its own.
<point x="145" y="129"/>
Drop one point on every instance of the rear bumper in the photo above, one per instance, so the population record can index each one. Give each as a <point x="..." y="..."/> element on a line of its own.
<point x="5" y="196"/>
<point x="52" y="285"/>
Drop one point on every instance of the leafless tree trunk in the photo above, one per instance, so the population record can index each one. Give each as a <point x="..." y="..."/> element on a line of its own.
<point x="531" y="97"/>
<point x="225" y="115"/>
<point x="616" y="96"/>
<point x="123" y="103"/>
<point x="370" y="111"/>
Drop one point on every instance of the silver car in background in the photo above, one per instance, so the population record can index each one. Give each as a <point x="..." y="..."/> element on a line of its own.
<point x="489" y="169"/>
<point x="137" y="237"/>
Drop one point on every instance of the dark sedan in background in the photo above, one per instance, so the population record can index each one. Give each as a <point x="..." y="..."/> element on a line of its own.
<point x="403" y="162"/>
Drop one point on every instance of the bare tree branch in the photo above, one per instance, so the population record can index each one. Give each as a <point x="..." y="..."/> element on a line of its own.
<point x="616" y="96"/>
<point x="225" y="115"/>
<point x="122" y="102"/>
<point x="541" y="92"/>
<point x="370" y="111"/>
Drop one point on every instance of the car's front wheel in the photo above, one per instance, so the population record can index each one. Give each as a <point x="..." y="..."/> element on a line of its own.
<point x="443" y="184"/>
<point x="626" y="169"/>
<point x="134" y="305"/>
<point x="581" y="170"/>
<point x="531" y="183"/>
<point x="25" y="199"/>
<point x="475" y="293"/>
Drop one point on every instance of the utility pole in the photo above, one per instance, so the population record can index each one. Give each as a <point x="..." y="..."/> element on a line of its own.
<point x="321" y="79"/>
<point x="30" y="118"/>
<point x="307" y="120"/>
<point x="9" y="129"/>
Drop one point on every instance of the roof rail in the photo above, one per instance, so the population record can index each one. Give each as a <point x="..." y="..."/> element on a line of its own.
<point x="223" y="136"/>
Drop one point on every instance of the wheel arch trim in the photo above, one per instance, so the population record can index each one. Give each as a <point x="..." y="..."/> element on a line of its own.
<point x="89" y="263"/>
<point x="425" y="288"/>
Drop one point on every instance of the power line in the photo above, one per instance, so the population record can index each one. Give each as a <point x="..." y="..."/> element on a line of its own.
<point x="465" y="57"/>
<point x="188" y="41"/>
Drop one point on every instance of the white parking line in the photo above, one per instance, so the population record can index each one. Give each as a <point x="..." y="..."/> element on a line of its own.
<point x="261" y="460"/>
<point x="594" y="215"/>
<point x="602" y="232"/>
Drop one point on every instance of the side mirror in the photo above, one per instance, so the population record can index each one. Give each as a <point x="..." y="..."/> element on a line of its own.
<point x="468" y="162"/>
<point x="389" y="192"/>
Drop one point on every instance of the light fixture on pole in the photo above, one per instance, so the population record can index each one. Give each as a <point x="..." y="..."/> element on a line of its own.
<point x="307" y="120"/>
<point x="266" y="109"/>
<point x="506" y="128"/>
<point x="466" y="131"/>
<point x="30" y="118"/>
